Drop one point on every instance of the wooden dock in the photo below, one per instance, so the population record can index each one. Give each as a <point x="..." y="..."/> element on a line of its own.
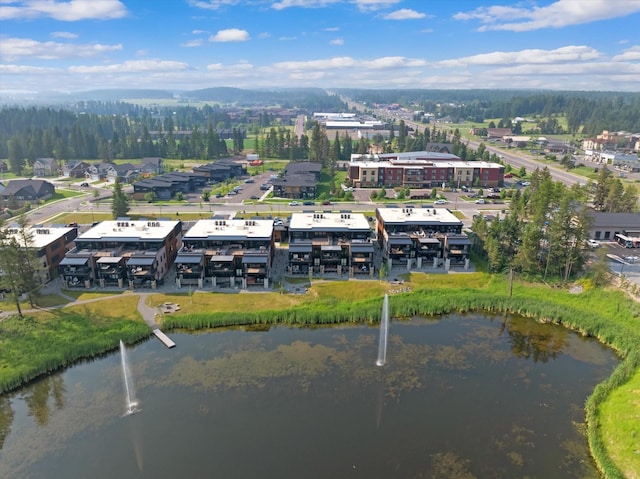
<point x="164" y="338"/>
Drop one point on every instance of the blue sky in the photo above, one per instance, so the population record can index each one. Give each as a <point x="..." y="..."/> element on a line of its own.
<point x="189" y="44"/>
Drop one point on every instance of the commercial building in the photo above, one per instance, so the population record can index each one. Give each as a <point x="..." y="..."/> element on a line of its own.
<point x="226" y="252"/>
<point x="114" y="253"/>
<point x="423" y="169"/>
<point x="421" y="237"/>
<point x="330" y="243"/>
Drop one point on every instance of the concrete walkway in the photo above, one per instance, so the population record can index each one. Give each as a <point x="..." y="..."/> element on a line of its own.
<point x="147" y="312"/>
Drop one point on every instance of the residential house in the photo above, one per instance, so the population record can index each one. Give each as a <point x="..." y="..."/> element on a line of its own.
<point x="99" y="171"/>
<point x="298" y="186"/>
<point x="45" y="167"/>
<point x="152" y="166"/>
<point x="498" y="133"/>
<point x="75" y="169"/>
<point x="125" y="172"/>
<point x="18" y="192"/>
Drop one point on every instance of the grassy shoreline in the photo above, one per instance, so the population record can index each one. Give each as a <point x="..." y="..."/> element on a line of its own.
<point x="82" y="331"/>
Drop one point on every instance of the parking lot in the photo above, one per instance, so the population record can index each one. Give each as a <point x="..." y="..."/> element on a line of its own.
<point x="629" y="266"/>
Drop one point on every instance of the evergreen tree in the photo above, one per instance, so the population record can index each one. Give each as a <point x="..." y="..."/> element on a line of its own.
<point x="120" y="204"/>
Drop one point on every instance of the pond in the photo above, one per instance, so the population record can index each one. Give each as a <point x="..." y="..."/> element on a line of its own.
<point x="462" y="396"/>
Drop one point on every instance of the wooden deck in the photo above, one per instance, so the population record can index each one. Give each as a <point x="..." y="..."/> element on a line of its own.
<point x="164" y="338"/>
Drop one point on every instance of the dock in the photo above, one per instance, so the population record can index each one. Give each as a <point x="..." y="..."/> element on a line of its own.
<point x="164" y="338"/>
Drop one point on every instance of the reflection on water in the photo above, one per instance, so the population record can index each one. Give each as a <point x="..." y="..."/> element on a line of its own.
<point x="460" y="397"/>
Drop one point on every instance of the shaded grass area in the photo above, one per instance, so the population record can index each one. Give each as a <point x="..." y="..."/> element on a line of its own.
<point x="45" y="301"/>
<point x="46" y="341"/>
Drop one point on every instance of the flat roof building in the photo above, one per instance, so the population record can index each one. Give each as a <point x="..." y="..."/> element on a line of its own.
<point x="50" y="245"/>
<point x="421" y="237"/>
<point x="226" y="252"/>
<point x="113" y="252"/>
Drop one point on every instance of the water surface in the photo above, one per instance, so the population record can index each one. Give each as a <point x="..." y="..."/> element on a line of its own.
<point x="460" y="397"/>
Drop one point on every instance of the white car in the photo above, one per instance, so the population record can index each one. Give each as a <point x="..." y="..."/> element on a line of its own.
<point x="293" y="203"/>
<point x="525" y="183"/>
<point x="440" y="202"/>
<point x="480" y="201"/>
<point x="593" y="243"/>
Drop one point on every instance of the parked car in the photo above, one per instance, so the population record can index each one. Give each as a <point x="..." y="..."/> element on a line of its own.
<point x="525" y="183"/>
<point x="250" y="180"/>
<point x="308" y="203"/>
<point x="294" y="203"/>
<point x="480" y="201"/>
<point x="440" y="202"/>
<point x="326" y="202"/>
<point x="593" y="243"/>
<point x="84" y="185"/>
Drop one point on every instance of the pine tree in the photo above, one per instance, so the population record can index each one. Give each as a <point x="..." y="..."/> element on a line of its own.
<point x="120" y="204"/>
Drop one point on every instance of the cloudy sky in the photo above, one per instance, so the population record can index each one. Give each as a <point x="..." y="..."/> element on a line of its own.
<point x="189" y="44"/>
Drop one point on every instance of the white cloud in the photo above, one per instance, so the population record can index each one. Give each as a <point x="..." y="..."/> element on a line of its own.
<point x="230" y="35"/>
<point x="68" y="35"/>
<point x="341" y="63"/>
<point x="332" y="29"/>
<point x="67" y="11"/>
<point x="212" y="4"/>
<point x="27" y="69"/>
<point x="288" y="39"/>
<point x="132" y="66"/>
<point x="372" y="5"/>
<point x="555" y="15"/>
<point x="404" y="14"/>
<point x="630" y="54"/>
<point x="337" y="41"/>
<point x="12" y="48"/>
<point x="192" y="43"/>
<point x="363" y="5"/>
<point x="535" y="56"/>
<point x="282" y="4"/>
<point x="264" y="35"/>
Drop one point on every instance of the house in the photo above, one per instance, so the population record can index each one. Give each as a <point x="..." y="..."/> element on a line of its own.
<point x="152" y="166"/>
<point x="438" y="147"/>
<point x="125" y="172"/>
<point x="75" y="169"/>
<point x="300" y="186"/>
<point x="98" y="171"/>
<point x="122" y="253"/>
<point x="422" y="237"/>
<point x="49" y="246"/>
<point x="330" y="243"/>
<point x="498" y="133"/>
<point x="303" y="167"/>
<point x="45" y="167"/>
<point x="18" y="192"/>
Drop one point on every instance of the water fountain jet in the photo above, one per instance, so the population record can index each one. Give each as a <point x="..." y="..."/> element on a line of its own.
<point x="384" y="332"/>
<point x="131" y="402"/>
